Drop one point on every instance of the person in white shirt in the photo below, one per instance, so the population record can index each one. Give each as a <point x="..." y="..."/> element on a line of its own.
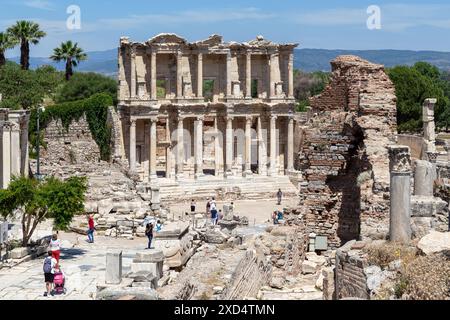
<point x="50" y="265"/>
<point x="55" y="247"/>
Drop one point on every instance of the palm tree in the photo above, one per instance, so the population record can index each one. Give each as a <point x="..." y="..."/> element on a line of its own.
<point x="6" y="42"/>
<point x="71" y="54"/>
<point x="26" y="32"/>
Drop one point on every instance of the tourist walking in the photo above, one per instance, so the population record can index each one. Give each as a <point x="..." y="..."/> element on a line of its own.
<point x="49" y="266"/>
<point x="149" y="234"/>
<point x="279" y="196"/>
<point x="158" y="226"/>
<point x="208" y="206"/>
<point x="91" y="228"/>
<point x="213" y="209"/>
<point x="192" y="206"/>
<point x="55" y="247"/>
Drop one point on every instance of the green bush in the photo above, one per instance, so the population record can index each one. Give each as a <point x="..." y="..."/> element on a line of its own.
<point x="96" y="110"/>
<point x="84" y="85"/>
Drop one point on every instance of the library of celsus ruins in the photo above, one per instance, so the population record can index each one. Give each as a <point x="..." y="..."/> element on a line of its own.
<point x="207" y="108"/>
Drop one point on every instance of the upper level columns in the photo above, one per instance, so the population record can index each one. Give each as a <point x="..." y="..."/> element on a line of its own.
<point x="5" y="156"/>
<point x="200" y="75"/>
<point x="248" y="76"/>
<point x="291" y="76"/>
<point x="15" y="150"/>
<point x="272" y="75"/>
<point x="228" y="89"/>
<point x="133" y="74"/>
<point x="179" y="75"/>
<point x="133" y="145"/>
<point x="153" y="75"/>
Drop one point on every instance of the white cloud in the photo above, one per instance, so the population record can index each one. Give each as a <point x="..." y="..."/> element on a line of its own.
<point x="191" y="16"/>
<point x="39" y="4"/>
<point x="395" y="17"/>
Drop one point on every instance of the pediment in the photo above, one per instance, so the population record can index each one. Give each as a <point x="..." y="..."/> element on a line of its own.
<point x="213" y="40"/>
<point x="167" y="38"/>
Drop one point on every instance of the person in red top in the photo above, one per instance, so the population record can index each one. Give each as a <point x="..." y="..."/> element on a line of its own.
<point x="91" y="228"/>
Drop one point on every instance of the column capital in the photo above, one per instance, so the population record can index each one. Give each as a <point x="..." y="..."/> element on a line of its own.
<point x="200" y="118"/>
<point x="248" y="118"/>
<point x="229" y="118"/>
<point x="133" y="122"/>
<point x="153" y="120"/>
<point x="399" y="159"/>
<point x="273" y="117"/>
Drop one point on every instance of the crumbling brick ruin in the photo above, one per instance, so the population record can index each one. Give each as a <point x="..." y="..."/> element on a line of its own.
<point x="344" y="155"/>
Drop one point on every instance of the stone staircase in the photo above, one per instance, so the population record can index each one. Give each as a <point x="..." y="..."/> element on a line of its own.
<point x="255" y="187"/>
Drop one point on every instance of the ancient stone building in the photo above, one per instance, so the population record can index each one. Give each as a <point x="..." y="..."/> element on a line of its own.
<point x="208" y="108"/>
<point x="344" y="155"/>
<point x="13" y="145"/>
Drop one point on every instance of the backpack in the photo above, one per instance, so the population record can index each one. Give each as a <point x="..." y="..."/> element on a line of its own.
<point x="48" y="265"/>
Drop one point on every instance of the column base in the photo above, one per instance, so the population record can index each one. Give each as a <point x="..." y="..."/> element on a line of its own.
<point x="272" y="172"/>
<point x="179" y="176"/>
<point x="247" y="174"/>
<point x="153" y="177"/>
<point x="198" y="176"/>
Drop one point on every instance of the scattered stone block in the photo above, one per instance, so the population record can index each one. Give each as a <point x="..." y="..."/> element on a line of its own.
<point x="435" y="242"/>
<point x="309" y="267"/>
<point x="113" y="267"/>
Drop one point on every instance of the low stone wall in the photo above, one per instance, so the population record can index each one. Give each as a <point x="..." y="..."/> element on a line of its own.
<point x="253" y="272"/>
<point x="351" y="280"/>
<point x="415" y="144"/>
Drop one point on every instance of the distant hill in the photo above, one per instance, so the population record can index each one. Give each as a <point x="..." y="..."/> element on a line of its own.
<point x="309" y="60"/>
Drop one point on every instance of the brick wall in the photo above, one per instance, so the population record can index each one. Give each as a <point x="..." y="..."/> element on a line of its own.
<point x="344" y="154"/>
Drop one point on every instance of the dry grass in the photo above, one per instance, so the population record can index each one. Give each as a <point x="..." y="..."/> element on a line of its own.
<point x="427" y="278"/>
<point x="386" y="253"/>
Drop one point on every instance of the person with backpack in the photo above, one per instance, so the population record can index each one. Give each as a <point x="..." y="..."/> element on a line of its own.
<point x="208" y="206"/>
<point x="213" y="210"/>
<point x="91" y="229"/>
<point x="193" y="206"/>
<point x="55" y="247"/>
<point x="50" y="264"/>
<point x="149" y="234"/>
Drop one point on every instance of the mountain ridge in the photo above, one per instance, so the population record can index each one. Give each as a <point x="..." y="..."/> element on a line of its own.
<point x="308" y="60"/>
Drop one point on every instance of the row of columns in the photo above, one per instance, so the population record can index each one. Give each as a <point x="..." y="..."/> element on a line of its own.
<point x="13" y="162"/>
<point x="229" y="146"/>
<point x="179" y="55"/>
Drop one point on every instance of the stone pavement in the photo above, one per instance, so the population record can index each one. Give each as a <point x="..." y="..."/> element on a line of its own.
<point x="83" y="265"/>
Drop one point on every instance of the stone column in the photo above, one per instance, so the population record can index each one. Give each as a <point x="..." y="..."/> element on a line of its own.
<point x="200" y="75"/>
<point x="229" y="147"/>
<point x="179" y="75"/>
<point x="133" y="74"/>
<point x="228" y="90"/>
<point x="272" y="76"/>
<point x="168" y="150"/>
<point x="248" y="76"/>
<point x="153" y="145"/>
<point x="429" y="133"/>
<point x="291" y="76"/>
<point x="5" y="155"/>
<point x="248" y="146"/>
<point x="113" y="267"/>
<point x="198" y="138"/>
<point x="153" y="75"/>
<point x="262" y="150"/>
<point x="132" y="145"/>
<point x="273" y="145"/>
<point x="290" y="145"/>
<point x="400" y="194"/>
<point x="432" y="157"/>
<point x="180" y="149"/>
<point x="218" y="151"/>
<point x="24" y="148"/>
<point x="423" y="178"/>
<point x="15" y="150"/>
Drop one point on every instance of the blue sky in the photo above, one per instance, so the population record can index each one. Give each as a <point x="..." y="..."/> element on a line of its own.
<point x="413" y="25"/>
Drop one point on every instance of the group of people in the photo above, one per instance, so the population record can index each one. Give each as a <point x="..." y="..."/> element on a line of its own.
<point x="53" y="274"/>
<point x="211" y="210"/>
